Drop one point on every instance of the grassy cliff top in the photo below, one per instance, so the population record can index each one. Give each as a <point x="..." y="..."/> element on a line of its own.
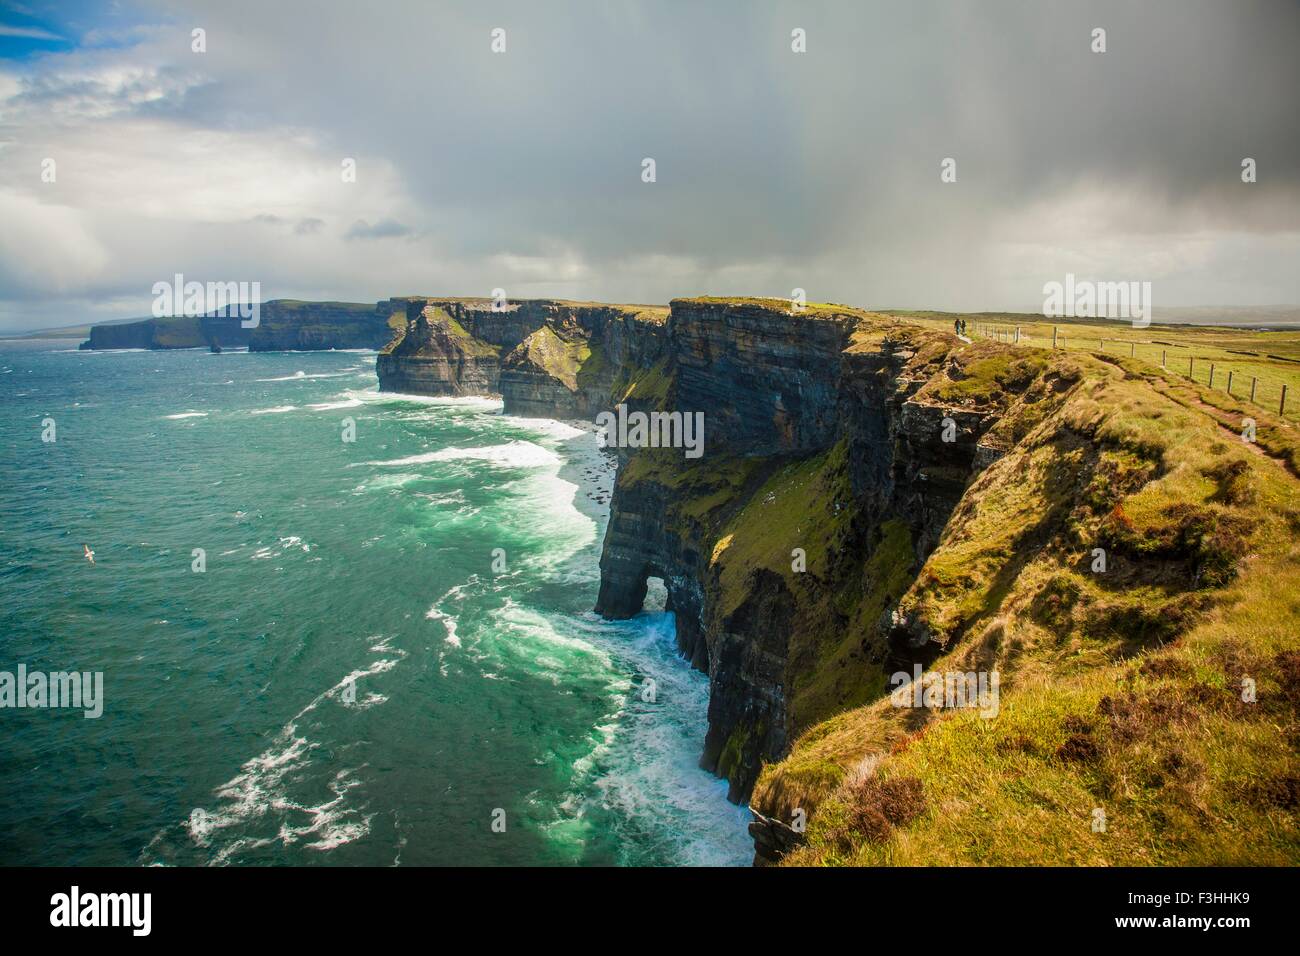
<point x="366" y="307"/>
<point x="647" y="312"/>
<point x="1149" y="712"/>
<point x="811" y="310"/>
<point x="657" y="314"/>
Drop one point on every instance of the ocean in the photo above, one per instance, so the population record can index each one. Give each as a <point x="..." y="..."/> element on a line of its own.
<point x="388" y="657"/>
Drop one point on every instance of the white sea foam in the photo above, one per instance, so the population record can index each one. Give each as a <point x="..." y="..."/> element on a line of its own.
<point x="515" y="454"/>
<point x="286" y="378"/>
<point x="466" y="402"/>
<point x="187" y="415"/>
<point x="436" y="613"/>
<point x="346" y="403"/>
<point x="300" y="375"/>
<point x="561" y="431"/>
<point x="453" y="497"/>
<point x="283" y="545"/>
<point x="384" y="482"/>
<point x="448" y="622"/>
<point x="261" y="788"/>
<point x="643" y="760"/>
<point x="274" y="411"/>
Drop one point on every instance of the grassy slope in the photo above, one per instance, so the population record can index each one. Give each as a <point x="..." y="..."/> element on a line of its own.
<point x="809" y="505"/>
<point x="1120" y="691"/>
<point x="469" y="344"/>
<point x="563" y="359"/>
<point x="1271" y="357"/>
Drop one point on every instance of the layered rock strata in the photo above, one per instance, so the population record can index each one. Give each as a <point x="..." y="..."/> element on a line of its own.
<point x="283" y="325"/>
<point x="180" y="332"/>
<point x="833" y="438"/>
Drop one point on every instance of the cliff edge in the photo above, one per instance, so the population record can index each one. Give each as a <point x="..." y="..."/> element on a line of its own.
<point x="1085" y="543"/>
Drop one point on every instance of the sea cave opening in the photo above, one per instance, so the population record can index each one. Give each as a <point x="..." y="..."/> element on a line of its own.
<point x="656" y="595"/>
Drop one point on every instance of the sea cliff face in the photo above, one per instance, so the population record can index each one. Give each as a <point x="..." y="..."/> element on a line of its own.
<point x="291" y="326"/>
<point x="283" y="325"/>
<point x="544" y="357"/>
<point x="817" y="426"/>
<point x="824" y="452"/>
<point x="180" y="332"/>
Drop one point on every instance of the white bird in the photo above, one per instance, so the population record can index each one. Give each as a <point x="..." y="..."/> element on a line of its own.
<point x="90" y="555"/>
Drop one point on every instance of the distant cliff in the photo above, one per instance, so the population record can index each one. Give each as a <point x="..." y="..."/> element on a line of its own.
<point x="877" y="496"/>
<point x="287" y="325"/>
<point x="179" y="332"/>
<point x="544" y="357"/>
<point x="283" y="325"/>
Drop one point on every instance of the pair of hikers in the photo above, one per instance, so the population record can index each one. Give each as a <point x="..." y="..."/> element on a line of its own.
<point x="959" y="326"/>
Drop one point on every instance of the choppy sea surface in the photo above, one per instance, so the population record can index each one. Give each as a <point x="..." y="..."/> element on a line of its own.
<point x="351" y="679"/>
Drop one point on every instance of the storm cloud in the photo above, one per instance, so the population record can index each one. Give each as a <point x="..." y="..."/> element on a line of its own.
<point x="774" y="169"/>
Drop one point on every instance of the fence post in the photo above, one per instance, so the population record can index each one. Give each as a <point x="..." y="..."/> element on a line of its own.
<point x="1017" y="335"/>
<point x="1281" y="406"/>
<point x="1229" y="381"/>
<point x="1191" y="364"/>
<point x="1163" y="354"/>
<point x="1253" y="382"/>
<point x="1211" y="375"/>
<point x="1054" y="331"/>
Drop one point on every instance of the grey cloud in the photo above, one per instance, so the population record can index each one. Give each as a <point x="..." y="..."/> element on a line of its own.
<point x="763" y="152"/>
<point x="775" y="169"/>
<point x="385" y="229"/>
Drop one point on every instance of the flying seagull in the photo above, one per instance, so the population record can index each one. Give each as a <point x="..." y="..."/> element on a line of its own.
<point x="90" y="555"/>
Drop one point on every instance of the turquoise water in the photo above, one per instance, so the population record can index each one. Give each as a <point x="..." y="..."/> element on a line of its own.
<point x="350" y="681"/>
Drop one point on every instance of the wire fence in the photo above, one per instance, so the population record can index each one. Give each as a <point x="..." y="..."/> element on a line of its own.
<point x="1232" y="373"/>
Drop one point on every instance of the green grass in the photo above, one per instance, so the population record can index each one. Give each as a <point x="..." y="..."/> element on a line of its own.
<point x="593" y="367"/>
<point x="650" y="388"/>
<point x="1120" y="690"/>
<point x="987" y="376"/>
<point x="559" y="357"/>
<point x="1264" y="360"/>
<point x="470" y="344"/>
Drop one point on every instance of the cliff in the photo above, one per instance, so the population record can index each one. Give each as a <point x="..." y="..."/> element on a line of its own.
<point x="434" y="354"/>
<point x="288" y="325"/>
<point x="544" y="357"/>
<point x="179" y="332"/>
<point x="1127" y="565"/>
<point x="283" y="325"/>
<point x="876" y="496"/>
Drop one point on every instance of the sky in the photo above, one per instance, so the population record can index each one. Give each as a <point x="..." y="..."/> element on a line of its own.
<point x="523" y="169"/>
